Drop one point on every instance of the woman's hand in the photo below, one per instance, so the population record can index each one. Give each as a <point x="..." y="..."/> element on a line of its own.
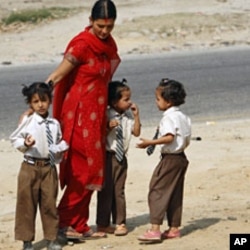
<point x="60" y="72"/>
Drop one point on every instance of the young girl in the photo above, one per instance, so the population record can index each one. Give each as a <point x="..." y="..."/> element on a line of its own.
<point x="166" y="187"/>
<point x="123" y="121"/>
<point x="39" y="137"/>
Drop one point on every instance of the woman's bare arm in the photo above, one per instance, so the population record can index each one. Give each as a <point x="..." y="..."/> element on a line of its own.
<point x="61" y="71"/>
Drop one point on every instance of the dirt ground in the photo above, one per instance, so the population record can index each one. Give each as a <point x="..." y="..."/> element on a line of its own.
<point x="216" y="200"/>
<point x="154" y="27"/>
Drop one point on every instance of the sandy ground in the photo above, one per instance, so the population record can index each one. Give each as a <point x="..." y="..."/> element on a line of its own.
<point x="216" y="201"/>
<point x="156" y="26"/>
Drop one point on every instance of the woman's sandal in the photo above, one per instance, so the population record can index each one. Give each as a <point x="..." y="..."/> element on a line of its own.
<point x="151" y="236"/>
<point x="91" y="235"/>
<point x="71" y="234"/>
<point x="121" y="230"/>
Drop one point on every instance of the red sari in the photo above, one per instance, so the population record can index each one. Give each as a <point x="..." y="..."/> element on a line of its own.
<point x="80" y="102"/>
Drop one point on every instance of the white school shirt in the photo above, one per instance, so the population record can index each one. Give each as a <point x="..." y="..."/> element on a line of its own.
<point x="35" y="125"/>
<point x="178" y="124"/>
<point x="127" y="128"/>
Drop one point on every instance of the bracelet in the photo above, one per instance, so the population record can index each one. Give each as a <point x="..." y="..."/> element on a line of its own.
<point x="51" y="84"/>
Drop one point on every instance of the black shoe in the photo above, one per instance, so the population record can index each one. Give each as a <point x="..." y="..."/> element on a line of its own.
<point x="53" y="245"/>
<point x="27" y="245"/>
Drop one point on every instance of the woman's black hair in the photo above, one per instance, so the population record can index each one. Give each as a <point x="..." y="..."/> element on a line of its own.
<point x="115" y="89"/>
<point x="103" y="9"/>
<point x="42" y="89"/>
<point x="172" y="91"/>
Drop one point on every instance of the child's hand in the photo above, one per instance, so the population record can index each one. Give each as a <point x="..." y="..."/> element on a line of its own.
<point x="134" y="109"/>
<point x="29" y="141"/>
<point x="113" y="123"/>
<point x="144" y="143"/>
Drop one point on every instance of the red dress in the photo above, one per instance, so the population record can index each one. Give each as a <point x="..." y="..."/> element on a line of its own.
<point x="80" y="102"/>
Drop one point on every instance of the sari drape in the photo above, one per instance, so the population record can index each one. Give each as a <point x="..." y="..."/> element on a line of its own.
<point x="80" y="101"/>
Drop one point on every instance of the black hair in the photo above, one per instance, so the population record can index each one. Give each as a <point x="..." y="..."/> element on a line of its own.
<point x="115" y="89"/>
<point x="172" y="91"/>
<point x="41" y="88"/>
<point x="103" y="9"/>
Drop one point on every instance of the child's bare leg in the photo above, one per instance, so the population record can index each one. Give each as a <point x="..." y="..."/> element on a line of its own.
<point x="155" y="227"/>
<point x="173" y="229"/>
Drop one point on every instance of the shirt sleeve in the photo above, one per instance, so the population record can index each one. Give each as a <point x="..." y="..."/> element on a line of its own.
<point x="60" y="146"/>
<point x="77" y="53"/>
<point x="167" y="126"/>
<point x="17" y="138"/>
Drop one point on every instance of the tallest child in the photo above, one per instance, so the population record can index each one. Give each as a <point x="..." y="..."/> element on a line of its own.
<point x="80" y="102"/>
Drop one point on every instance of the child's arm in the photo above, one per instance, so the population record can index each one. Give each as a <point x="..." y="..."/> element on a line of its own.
<point x="137" y="123"/>
<point x="166" y="139"/>
<point x="60" y="146"/>
<point x="20" y="138"/>
<point x="29" y="141"/>
<point x="28" y="112"/>
<point x="112" y="124"/>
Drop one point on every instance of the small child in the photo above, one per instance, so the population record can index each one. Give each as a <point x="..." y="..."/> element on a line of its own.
<point x="39" y="137"/>
<point x="123" y="121"/>
<point x="166" y="186"/>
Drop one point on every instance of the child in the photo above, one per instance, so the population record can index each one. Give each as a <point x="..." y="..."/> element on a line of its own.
<point x="111" y="200"/>
<point x="37" y="179"/>
<point x="166" y="186"/>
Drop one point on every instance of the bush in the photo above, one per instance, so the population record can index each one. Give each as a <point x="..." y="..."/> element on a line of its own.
<point x="38" y="15"/>
<point x="31" y="16"/>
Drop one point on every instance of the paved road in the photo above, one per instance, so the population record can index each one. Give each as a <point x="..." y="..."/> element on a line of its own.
<point x="217" y="84"/>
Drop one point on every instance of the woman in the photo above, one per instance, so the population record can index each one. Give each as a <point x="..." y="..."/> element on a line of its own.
<point x="80" y="102"/>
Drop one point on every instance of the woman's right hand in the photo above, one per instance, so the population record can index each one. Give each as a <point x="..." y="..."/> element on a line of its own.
<point x="60" y="72"/>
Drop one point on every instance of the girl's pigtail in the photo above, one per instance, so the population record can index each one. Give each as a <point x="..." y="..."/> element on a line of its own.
<point x="124" y="81"/>
<point x="25" y="90"/>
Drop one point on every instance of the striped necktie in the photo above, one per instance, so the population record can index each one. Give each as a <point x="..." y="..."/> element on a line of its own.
<point x="151" y="148"/>
<point x="50" y="142"/>
<point x="119" y="141"/>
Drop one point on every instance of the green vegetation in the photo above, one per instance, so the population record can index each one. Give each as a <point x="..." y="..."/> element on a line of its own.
<point x="38" y="15"/>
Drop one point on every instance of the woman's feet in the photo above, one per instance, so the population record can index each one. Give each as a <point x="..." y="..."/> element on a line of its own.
<point x="71" y="234"/>
<point x="91" y="235"/>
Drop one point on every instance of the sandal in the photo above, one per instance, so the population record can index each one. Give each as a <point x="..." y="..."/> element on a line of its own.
<point x="91" y="235"/>
<point x="171" y="234"/>
<point x="151" y="236"/>
<point x="70" y="233"/>
<point x="121" y="230"/>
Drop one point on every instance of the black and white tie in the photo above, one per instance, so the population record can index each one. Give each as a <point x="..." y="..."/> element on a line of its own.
<point x="50" y="142"/>
<point x="119" y="141"/>
<point x="151" y="148"/>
